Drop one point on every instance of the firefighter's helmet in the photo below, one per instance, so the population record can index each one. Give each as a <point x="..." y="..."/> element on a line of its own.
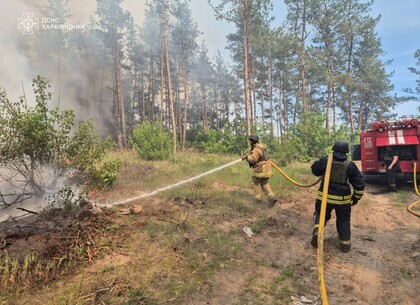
<point x="341" y="146"/>
<point x="253" y="138"/>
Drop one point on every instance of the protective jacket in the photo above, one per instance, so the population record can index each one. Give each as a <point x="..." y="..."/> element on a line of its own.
<point x="343" y="172"/>
<point x="260" y="161"/>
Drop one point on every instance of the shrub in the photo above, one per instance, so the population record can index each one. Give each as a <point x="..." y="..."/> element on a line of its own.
<point x="152" y="141"/>
<point x="106" y="175"/>
<point x="220" y="141"/>
<point x="36" y="142"/>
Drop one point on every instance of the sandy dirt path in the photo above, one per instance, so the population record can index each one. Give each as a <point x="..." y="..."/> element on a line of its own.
<point x="383" y="267"/>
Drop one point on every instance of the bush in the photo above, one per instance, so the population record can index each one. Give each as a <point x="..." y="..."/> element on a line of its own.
<point x="105" y="176"/>
<point x="37" y="142"/>
<point x="152" y="141"/>
<point x="220" y="141"/>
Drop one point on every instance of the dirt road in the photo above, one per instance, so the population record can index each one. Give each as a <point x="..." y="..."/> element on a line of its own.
<point x="382" y="268"/>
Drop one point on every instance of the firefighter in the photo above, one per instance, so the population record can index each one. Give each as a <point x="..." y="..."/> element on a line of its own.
<point x="340" y="197"/>
<point x="391" y="160"/>
<point x="260" y="162"/>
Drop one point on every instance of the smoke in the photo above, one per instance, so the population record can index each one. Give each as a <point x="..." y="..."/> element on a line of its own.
<point x="51" y="179"/>
<point x="14" y="66"/>
<point x="80" y="81"/>
<point x="31" y="46"/>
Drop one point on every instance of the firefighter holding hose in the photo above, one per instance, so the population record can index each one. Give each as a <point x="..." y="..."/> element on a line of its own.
<point x="340" y="197"/>
<point x="260" y="162"/>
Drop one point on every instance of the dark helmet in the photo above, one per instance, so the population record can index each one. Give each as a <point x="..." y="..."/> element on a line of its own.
<point x="341" y="146"/>
<point x="253" y="138"/>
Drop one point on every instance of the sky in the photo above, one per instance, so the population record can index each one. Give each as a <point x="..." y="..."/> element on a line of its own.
<point x="398" y="29"/>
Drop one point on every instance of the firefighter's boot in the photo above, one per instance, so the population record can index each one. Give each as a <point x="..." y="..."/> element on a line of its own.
<point x="393" y="188"/>
<point x="345" y="246"/>
<point x="257" y="190"/>
<point x="314" y="240"/>
<point x="271" y="199"/>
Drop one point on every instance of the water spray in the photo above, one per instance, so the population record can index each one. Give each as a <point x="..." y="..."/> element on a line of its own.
<point x="170" y="186"/>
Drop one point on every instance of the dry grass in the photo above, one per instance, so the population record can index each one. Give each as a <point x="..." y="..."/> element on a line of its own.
<point x="185" y="243"/>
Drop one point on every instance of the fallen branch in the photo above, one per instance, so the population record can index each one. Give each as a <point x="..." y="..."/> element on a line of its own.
<point x="28" y="211"/>
<point x="93" y="295"/>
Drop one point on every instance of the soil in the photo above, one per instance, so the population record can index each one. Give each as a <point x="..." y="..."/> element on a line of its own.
<point x="383" y="266"/>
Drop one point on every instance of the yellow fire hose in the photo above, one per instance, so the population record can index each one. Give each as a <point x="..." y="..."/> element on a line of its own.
<point x="293" y="181"/>
<point x="320" y="249"/>
<point x="410" y="207"/>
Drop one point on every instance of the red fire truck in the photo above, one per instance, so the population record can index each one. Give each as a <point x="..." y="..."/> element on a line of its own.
<point x="403" y="135"/>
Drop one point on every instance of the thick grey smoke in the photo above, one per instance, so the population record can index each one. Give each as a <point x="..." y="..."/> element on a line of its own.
<point x="14" y="66"/>
<point x="29" y="47"/>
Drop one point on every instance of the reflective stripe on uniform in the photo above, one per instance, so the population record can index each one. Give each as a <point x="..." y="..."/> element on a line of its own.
<point x="262" y="174"/>
<point x="335" y="199"/>
<point x="358" y="194"/>
<point x="345" y="242"/>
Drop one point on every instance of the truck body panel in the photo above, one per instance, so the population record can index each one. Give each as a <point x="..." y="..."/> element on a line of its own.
<point x="403" y="136"/>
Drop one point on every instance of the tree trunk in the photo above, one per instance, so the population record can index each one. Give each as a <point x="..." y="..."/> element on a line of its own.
<point x="286" y="108"/>
<point x="296" y="110"/>
<point x="245" y="58"/>
<point x="334" y="105"/>
<point x="115" y="87"/>
<point x="184" y="131"/>
<point x="168" y="70"/>
<point x="143" y="100"/>
<point x="262" y="105"/>
<point x="102" y="89"/>
<point x="302" y="57"/>
<point x="329" y="84"/>
<point x="348" y="84"/>
<point x="204" y="106"/>
<point x="135" y="97"/>
<point x="270" y="92"/>
<point x="162" y="86"/>
<point x="121" y="99"/>
<point x="281" y="106"/>
<point x="254" y="99"/>
<point x="361" y="110"/>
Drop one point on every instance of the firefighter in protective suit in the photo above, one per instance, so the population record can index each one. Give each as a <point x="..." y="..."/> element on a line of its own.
<point x="260" y="162"/>
<point x="340" y="196"/>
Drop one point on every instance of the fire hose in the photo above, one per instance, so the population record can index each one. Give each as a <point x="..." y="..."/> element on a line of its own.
<point x="320" y="249"/>
<point x="410" y="207"/>
<point x="293" y="181"/>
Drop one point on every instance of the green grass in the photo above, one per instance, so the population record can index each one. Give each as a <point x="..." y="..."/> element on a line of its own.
<point x="406" y="274"/>
<point x="262" y="223"/>
<point x="138" y="296"/>
<point x="275" y="290"/>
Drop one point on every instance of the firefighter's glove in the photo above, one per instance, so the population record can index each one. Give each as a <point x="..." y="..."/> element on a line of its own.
<point x="245" y="157"/>
<point x="354" y="202"/>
